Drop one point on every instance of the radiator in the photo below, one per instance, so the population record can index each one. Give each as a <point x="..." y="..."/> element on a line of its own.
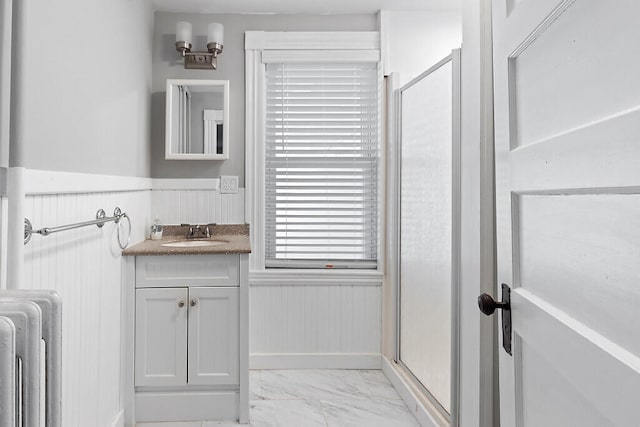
<point x="29" y="321"/>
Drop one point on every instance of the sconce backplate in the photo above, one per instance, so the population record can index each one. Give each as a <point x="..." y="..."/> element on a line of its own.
<point x="200" y="61"/>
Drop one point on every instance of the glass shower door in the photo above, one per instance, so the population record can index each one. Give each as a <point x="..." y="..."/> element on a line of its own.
<point x="428" y="230"/>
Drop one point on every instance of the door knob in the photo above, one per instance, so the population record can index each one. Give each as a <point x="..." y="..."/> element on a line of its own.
<point x="193" y="302"/>
<point x="180" y="304"/>
<point x="488" y="305"/>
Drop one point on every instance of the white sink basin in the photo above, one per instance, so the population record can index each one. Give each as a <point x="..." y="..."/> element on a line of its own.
<point x="194" y="243"/>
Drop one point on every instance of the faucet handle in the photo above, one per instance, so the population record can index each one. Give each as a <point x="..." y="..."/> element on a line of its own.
<point x="191" y="229"/>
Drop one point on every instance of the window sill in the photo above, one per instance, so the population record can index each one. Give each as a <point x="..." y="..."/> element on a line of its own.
<point x="304" y="277"/>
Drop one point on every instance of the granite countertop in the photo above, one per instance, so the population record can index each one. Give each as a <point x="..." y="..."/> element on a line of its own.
<point x="236" y="237"/>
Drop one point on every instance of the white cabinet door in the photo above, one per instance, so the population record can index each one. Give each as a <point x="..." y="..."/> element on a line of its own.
<point x="567" y="116"/>
<point x="213" y="336"/>
<point x="161" y="337"/>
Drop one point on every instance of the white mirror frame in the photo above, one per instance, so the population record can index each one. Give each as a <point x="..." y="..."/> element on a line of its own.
<point x="169" y="114"/>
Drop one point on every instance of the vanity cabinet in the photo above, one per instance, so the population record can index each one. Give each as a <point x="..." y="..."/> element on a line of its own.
<point x="187" y="336"/>
<point x="188" y="343"/>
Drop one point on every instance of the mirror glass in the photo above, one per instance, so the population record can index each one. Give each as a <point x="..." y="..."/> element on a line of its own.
<point x="197" y="118"/>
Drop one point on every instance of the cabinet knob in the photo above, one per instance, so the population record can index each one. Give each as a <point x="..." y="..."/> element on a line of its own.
<point x="180" y="304"/>
<point x="193" y="302"/>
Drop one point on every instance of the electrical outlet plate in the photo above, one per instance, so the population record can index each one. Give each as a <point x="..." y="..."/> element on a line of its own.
<point x="228" y="184"/>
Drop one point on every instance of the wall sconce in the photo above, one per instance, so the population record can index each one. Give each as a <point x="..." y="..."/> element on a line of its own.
<point x="200" y="60"/>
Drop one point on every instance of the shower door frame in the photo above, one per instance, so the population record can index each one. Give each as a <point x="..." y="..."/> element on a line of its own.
<point x="453" y="416"/>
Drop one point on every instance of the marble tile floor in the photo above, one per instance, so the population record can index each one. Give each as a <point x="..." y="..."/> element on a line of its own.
<point x="324" y="398"/>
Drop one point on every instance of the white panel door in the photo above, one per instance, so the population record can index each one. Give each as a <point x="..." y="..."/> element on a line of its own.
<point x="567" y="116"/>
<point x="213" y="336"/>
<point x="161" y="337"/>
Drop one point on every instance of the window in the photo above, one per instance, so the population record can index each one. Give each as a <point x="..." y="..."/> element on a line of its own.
<point x="321" y="164"/>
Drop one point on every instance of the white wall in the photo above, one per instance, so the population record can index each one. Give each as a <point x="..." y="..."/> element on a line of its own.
<point x="81" y="80"/>
<point x="6" y="12"/>
<point x="414" y="41"/>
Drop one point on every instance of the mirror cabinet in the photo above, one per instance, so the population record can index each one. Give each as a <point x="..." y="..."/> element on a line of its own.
<point x="197" y="118"/>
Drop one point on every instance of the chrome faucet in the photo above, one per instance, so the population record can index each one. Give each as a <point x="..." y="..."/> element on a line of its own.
<point x="195" y="229"/>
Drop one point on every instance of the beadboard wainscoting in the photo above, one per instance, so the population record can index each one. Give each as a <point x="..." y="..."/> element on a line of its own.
<point x="84" y="266"/>
<point x="315" y="324"/>
<point x="196" y="206"/>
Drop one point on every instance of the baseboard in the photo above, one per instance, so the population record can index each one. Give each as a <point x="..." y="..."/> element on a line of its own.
<point x="118" y="421"/>
<point x="187" y="406"/>
<point x="426" y="414"/>
<point x="314" y="361"/>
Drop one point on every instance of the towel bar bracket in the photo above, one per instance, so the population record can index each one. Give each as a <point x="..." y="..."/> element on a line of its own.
<point x="101" y="214"/>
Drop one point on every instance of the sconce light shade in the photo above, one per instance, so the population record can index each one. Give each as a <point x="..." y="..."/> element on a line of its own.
<point x="215" y="33"/>
<point x="200" y="60"/>
<point x="183" y="32"/>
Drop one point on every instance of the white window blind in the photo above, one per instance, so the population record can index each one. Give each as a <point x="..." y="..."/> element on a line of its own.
<point x="321" y="165"/>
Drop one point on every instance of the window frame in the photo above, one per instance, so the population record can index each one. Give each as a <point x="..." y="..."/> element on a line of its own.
<point x="262" y="47"/>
